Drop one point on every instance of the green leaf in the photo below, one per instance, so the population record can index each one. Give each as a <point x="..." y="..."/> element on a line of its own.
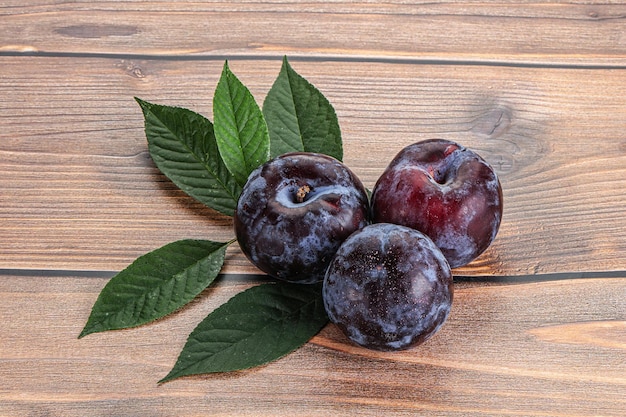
<point x="300" y="118"/>
<point x="254" y="327"/>
<point x="183" y="146"/>
<point x="240" y="127"/>
<point x="156" y="284"/>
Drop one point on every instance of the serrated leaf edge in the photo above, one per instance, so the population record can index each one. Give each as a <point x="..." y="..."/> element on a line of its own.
<point x="207" y="168"/>
<point x="225" y="81"/>
<point x="181" y="372"/>
<point x="90" y="325"/>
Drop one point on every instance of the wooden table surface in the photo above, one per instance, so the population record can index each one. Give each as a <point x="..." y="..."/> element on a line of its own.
<point x="538" y="326"/>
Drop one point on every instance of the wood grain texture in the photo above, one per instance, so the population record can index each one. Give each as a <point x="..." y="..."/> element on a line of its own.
<point x="81" y="193"/>
<point x="538" y="88"/>
<point x="525" y="32"/>
<point x="518" y="350"/>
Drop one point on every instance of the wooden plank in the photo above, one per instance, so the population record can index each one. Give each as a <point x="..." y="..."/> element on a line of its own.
<point x="544" y="348"/>
<point x="79" y="191"/>
<point x="536" y="87"/>
<point x="524" y="32"/>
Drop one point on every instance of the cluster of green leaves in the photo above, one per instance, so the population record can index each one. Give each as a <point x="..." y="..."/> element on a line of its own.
<point x="211" y="162"/>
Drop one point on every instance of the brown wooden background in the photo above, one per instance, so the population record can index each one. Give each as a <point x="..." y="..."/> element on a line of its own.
<point x="538" y="327"/>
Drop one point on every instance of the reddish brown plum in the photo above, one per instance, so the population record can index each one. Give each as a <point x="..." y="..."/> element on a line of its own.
<point x="295" y="211"/>
<point x="446" y="191"/>
<point x="388" y="287"/>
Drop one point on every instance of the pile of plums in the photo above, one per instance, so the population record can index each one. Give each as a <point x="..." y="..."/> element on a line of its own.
<point x="385" y="262"/>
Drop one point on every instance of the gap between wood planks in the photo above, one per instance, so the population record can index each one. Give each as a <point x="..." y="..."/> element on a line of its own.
<point x="489" y="279"/>
<point x="513" y="63"/>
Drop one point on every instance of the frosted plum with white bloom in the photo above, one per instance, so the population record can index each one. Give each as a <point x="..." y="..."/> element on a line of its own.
<point x="447" y="192"/>
<point x="295" y="211"/>
<point x="388" y="287"/>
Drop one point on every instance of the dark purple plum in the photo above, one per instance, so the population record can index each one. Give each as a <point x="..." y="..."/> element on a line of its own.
<point x="446" y="191"/>
<point x="388" y="287"/>
<point x="295" y="211"/>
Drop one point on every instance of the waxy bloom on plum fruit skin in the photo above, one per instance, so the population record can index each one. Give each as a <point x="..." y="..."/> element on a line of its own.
<point x="446" y="191"/>
<point x="388" y="288"/>
<point x="295" y="211"/>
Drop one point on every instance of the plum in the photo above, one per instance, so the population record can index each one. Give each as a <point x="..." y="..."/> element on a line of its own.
<point x="446" y="191"/>
<point x="295" y="211"/>
<point x="388" y="287"/>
